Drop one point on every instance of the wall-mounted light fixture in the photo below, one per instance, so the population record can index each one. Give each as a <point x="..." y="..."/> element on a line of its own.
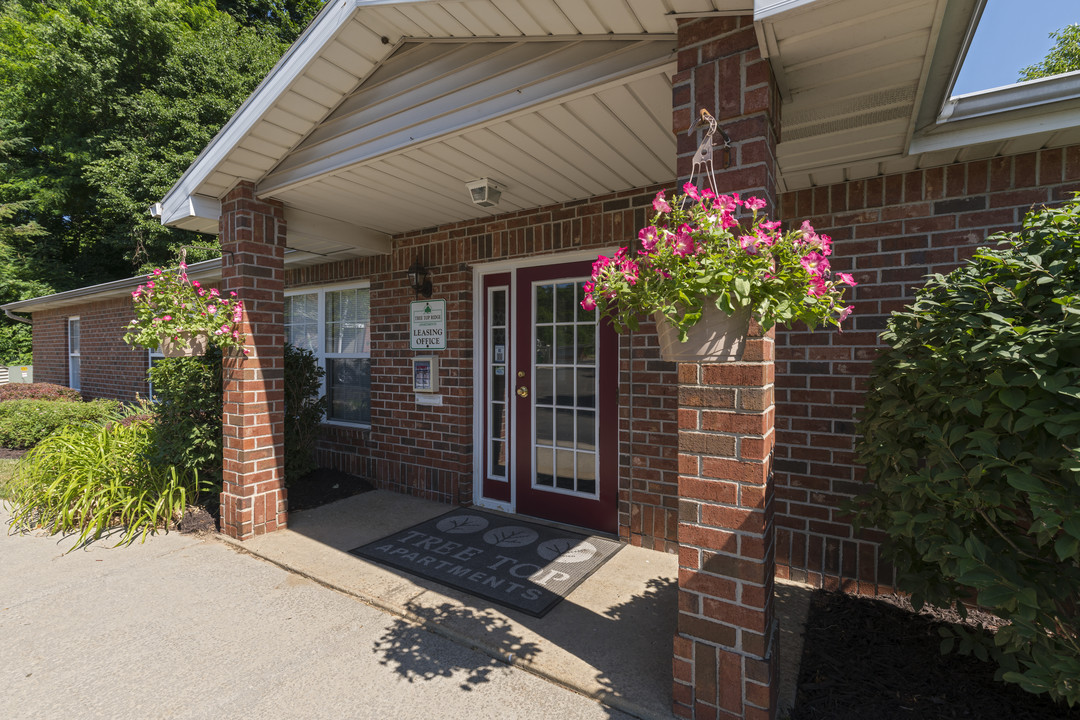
<point x="419" y="279"/>
<point x="484" y="192"/>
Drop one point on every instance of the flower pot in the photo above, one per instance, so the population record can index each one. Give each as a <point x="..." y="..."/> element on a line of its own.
<point x="717" y="336"/>
<point x="184" y="344"/>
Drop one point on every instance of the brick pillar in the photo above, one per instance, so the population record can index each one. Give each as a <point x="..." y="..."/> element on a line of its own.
<point x="726" y="644"/>
<point x="253" y="249"/>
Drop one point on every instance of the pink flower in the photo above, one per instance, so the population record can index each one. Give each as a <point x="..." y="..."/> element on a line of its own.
<point x="232" y="294"/>
<point x="847" y="279"/>
<point x="770" y="225"/>
<point x="136" y="293"/>
<point x="211" y="309"/>
<point x="214" y="292"/>
<point x="691" y="190"/>
<point x="200" y="291"/>
<point x="754" y="203"/>
<point x="749" y="244"/>
<point x="660" y="204"/>
<point x="183" y="266"/>
<point x="817" y="286"/>
<point x="166" y="318"/>
<point x="648" y="237"/>
<point x="150" y="285"/>
<point x="589" y="303"/>
<point x="194" y="283"/>
<point x="727" y="220"/>
<point x="845" y="313"/>
<point x="814" y="263"/>
<point x="157" y="271"/>
<point x="684" y="242"/>
<point x="728" y="202"/>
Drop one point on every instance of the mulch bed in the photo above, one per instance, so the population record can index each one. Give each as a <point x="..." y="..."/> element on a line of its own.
<point x="318" y="487"/>
<point x="876" y="658"/>
<point x="8" y="453"/>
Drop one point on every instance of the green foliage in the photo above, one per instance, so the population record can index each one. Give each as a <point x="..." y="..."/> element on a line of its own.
<point x="1063" y="57"/>
<point x="103" y="104"/>
<point x="971" y="435"/>
<point x="284" y="18"/>
<point x="89" y="479"/>
<point x="304" y="410"/>
<point x="25" y="423"/>
<point x="37" y="391"/>
<point x="188" y="412"/>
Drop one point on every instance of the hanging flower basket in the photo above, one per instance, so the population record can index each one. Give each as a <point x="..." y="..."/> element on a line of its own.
<point x="181" y="318"/>
<point x="184" y="344"/>
<point x="717" y="337"/>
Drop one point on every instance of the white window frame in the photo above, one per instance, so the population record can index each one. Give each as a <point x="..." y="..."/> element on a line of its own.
<point x="152" y="355"/>
<point x="321" y="355"/>
<point x="74" y="356"/>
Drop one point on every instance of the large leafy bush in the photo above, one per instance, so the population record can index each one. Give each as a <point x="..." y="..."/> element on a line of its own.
<point x="25" y="423"/>
<point x="188" y="413"/>
<point x="304" y="410"/>
<point x="90" y="478"/>
<point x="971" y="436"/>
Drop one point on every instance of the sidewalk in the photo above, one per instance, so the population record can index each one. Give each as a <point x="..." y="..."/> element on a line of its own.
<point x="611" y="639"/>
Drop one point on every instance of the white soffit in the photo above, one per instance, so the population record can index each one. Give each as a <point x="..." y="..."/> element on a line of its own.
<point x="349" y="41"/>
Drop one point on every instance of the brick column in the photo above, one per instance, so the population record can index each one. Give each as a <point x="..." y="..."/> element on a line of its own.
<point x="726" y="644"/>
<point x="253" y="248"/>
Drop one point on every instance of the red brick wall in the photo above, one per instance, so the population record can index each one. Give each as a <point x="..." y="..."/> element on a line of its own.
<point x="428" y="451"/>
<point x="110" y="368"/>
<point x="889" y="232"/>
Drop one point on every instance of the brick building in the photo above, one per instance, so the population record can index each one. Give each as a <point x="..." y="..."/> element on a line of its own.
<point x="349" y="164"/>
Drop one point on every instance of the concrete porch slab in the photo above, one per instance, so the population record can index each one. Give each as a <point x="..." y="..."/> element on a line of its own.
<point x="610" y="639"/>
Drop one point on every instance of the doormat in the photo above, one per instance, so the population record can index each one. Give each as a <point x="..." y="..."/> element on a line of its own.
<point x="521" y="565"/>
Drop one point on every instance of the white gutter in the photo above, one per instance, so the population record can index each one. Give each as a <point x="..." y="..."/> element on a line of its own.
<point x="114" y="288"/>
<point x="18" y="318"/>
<point x="1011" y="97"/>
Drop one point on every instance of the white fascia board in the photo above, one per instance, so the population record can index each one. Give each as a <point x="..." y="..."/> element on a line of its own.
<point x="200" y="207"/>
<point x="1011" y="97"/>
<point x="307" y="48"/>
<point x="954" y="136"/>
<point x="301" y="223"/>
<point x="770" y="8"/>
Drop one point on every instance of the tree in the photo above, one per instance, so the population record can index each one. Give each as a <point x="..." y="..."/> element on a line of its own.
<point x="1062" y="58"/>
<point x="103" y="104"/>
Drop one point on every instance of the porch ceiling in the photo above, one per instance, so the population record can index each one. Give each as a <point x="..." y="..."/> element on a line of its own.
<point x="376" y="118"/>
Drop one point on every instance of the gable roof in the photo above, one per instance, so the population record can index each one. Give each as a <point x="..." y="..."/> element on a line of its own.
<point x="373" y="121"/>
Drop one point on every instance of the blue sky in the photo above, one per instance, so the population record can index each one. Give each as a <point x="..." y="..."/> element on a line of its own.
<point x="1012" y="35"/>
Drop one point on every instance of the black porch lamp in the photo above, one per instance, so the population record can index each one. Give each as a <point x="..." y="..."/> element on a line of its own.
<point x="419" y="279"/>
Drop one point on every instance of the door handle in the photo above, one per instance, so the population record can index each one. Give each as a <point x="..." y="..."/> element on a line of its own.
<point x="523" y="391"/>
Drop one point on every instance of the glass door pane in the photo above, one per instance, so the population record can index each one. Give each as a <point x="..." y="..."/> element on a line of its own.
<point x="564" y="380"/>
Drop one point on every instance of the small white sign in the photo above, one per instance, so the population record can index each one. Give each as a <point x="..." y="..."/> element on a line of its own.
<point x="425" y="399"/>
<point x="427" y="325"/>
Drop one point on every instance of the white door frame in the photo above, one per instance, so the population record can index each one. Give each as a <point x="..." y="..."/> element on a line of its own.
<point x="480" y="271"/>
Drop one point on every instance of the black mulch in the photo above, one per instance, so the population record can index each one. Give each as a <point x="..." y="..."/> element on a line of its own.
<point x="322" y="485"/>
<point x="865" y="658"/>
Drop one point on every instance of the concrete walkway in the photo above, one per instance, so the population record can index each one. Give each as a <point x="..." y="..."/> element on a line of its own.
<point x="186" y="627"/>
<point x="611" y="639"/>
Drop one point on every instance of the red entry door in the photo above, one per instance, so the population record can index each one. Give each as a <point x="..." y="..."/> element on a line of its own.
<point x="564" y="400"/>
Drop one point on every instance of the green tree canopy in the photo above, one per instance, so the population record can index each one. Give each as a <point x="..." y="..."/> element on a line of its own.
<point x="1063" y="57"/>
<point x="103" y="104"/>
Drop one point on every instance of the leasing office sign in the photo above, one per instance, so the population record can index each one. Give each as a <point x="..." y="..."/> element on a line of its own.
<point x="427" y="325"/>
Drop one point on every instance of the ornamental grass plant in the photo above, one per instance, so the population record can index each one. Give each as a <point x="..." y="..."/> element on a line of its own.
<point x="699" y="250"/>
<point x="89" y="479"/>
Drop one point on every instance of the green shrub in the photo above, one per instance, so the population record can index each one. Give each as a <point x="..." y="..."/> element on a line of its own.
<point x="25" y="423"/>
<point x="304" y="410"/>
<point x="37" y="391"/>
<point x="971" y="436"/>
<point x="88" y="479"/>
<point x="188" y="413"/>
